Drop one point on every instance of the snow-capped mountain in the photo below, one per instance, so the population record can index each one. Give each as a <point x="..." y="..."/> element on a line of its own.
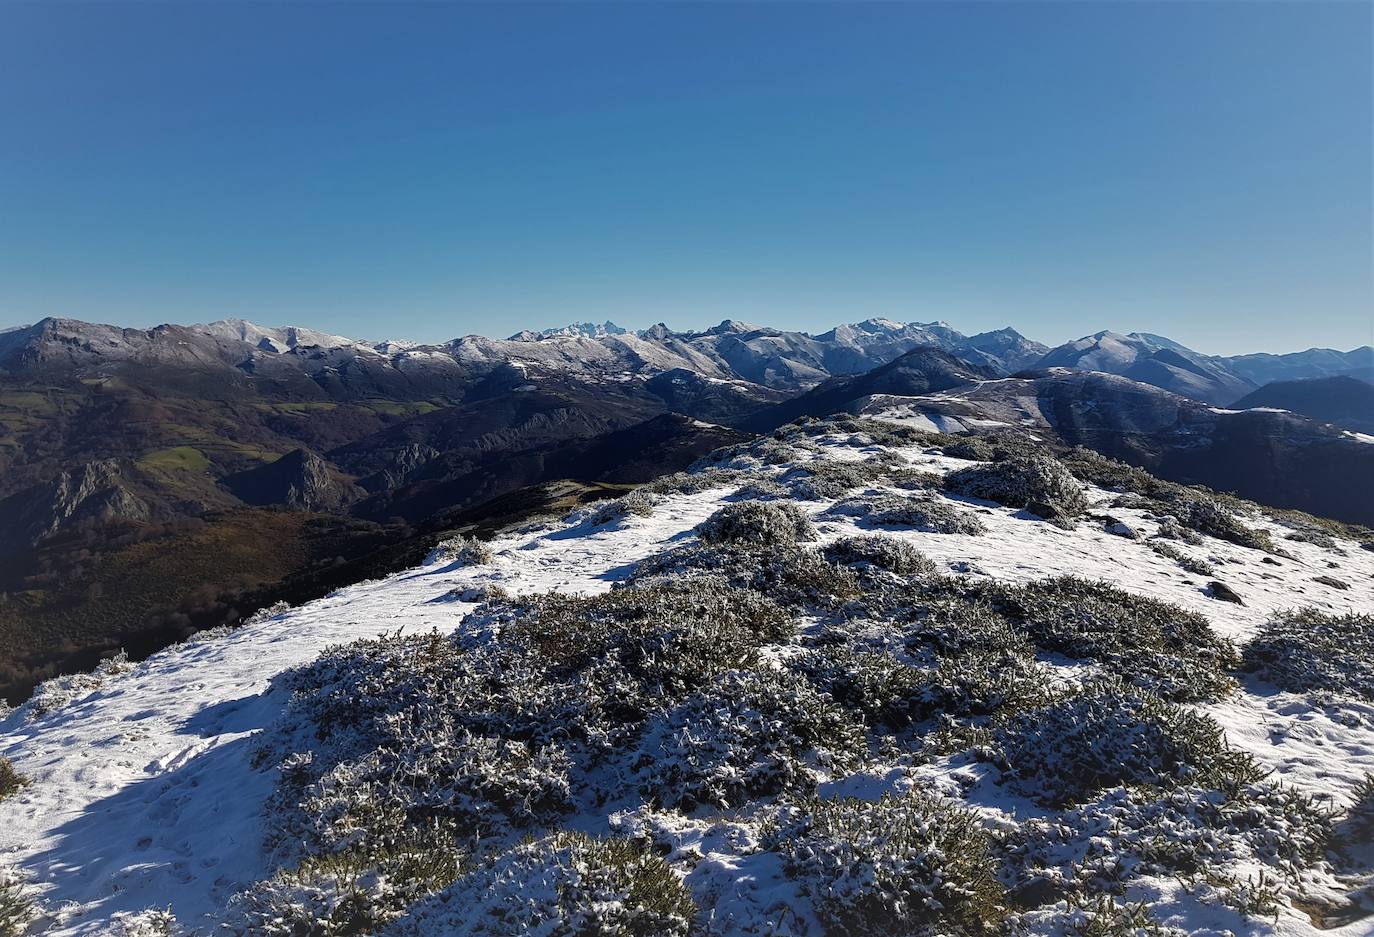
<point x="1151" y="359"/>
<point x="849" y="673"/>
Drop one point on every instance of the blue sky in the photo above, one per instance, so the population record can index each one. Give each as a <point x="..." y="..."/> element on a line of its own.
<point x="1201" y="170"/>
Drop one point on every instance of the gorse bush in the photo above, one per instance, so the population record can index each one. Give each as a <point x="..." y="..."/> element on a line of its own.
<point x="567" y="885"/>
<point x="1108" y="734"/>
<point x="926" y="513"/>
<point x="11" y="781"/>
<point x="747" y="735"/>
<point x="752" y="523"/>
<point x="463" y="551"/>
<point x="875" y="551"/>
<point x="1039" y="484"/>
<point x="901" y="865"/>
<point x="1153" y="644"/>
<point x="1308" y="650"/>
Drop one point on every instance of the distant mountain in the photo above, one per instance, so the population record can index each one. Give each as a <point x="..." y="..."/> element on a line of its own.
<point x="1342" y="400"/>
<point x="1151" y="359"/>
<point x="1300" y="365"/>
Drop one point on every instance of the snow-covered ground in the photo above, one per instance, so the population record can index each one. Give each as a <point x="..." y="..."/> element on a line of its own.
<point x="144" y="794"/>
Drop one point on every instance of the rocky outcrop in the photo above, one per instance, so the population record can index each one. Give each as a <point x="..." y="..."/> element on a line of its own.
<point x="300" y="480"/>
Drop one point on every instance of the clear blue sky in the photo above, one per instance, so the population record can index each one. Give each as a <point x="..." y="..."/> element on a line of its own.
<point x="1194" y="169"/>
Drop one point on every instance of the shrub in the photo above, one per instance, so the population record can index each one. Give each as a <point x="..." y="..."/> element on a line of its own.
<point x="876" y="685"/>
<point x="746" y="735"/>
<point x="152" y="922"/>
<point x="462" y="551"/>
<point x="1101" y="916"/>
<point x="827" y="479"/>
<point x="875" y="551"/>
<point x="1171" y="529"/>
<point x="1207" y="516"/>
<point x="11" y="781"/>
<point x="693" y="482"/>
<point x="350" y="892"/>
<point x="912" y="479"/>
<point x="16" y="908"/>
<point x="54" y="694"/>
<point x="1150" y="643"/>
<point x="567" y="885"/>
<point x="1358" y="824"/>
<point x="925" y="513"/>
<point x="1307" y="650"/>
<point x="764" y="489"/>
<point x="1110" y="734"/>
<point x="971" y="448"/>
<point x="1039" y="484"/>
<point x="788" y="574"/>
<point x="902" y="865"/>
<point x="751" y="523"/>
<point x="637" y="503"/>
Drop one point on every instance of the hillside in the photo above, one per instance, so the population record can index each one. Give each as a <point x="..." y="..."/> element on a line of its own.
<point x="1344" y="401"/>
<point x="851" y="678"/>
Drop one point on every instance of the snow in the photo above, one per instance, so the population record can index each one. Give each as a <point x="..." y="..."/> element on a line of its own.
<point x="144" y="793"/>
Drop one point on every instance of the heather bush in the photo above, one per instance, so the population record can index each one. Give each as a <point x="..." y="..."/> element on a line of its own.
<point x="1207" y="516"/>
<point x="462" y="551"/>
<point x="1171" y="529"/>
<point x="693" y="482"/>
<point x="752" y="523"/>
<point x="909" y="865"/>
<point x="566" y="885"/>
<point x="1308" y="650"/>
<point x="826" y="479"/>
<point x="637" y="503"/>
<point x="1152" y="644"/>
<point x="151" y="922"/>
<point x="764" y="489"/>
<point x="747" y="735"/>
<point x="971" y="448"/>
<point x="926" y="513"/>
<point x="875" y="685"/>
<point x="1109" y="734"/>
<point x="17" y="910"/>
<point x="1039" y="484"/>
<point x="876" y="551"/>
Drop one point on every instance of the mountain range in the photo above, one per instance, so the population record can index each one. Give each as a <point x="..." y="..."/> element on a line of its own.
<point x="155" y="481"/>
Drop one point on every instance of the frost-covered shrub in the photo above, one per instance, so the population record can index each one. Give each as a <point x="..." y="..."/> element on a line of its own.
<point x="1110" y="734"/>
<point x="926" y="513"/>
<point x="971" y="448"/>
<point x="753" y="523"/>
<point x="873" y="684"/>
<point x="747" y="735"/>
<point x="693" y="482"/>
<point x="764" y="489"/>
<point x="791" y="575"/>
<point x="1171" y="529"/>
<point x="877" y="432"/>
<point x="876" y="551"/>
<point x="153" y="922"/>
<point x="463" y="551"/>
<point x="637" y="503"/>
<point x="826" y="479"/>
<point x="344" y="893"/>
<point x="56" y="693"/>
<point x="567" y="885"/>
<point x="1207" y="516"/>
<point x="17" y="910"/>
<point x="901" y="865"/>
<point x="1307" y="650"/>
<point x="1039" y="484"/>
<point x="1098" y="915"/>
<point x="11" y="781"/>
<point x="1152" y="644"/>
<point x="1317" y="538"/>
<point x="912" y="479"/>
<point x="1358" y="823"/>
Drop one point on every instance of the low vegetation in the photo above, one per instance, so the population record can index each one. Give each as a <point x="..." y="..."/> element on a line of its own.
<point x="753" y="523"/>
<point x="926" y="513"/>
<point x="1309" y="650"/>
<point x="11" y="781"/>
<point x="1039" y="484"/>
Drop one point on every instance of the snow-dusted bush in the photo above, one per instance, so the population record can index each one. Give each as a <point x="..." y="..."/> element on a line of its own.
<point x="763" y="489"/>
<point x="693" y="482"/>
<point x="637" y="503"/>
<point x="971" y="448"/>
<point x="349" y="892"/>
<point x="1207" y="516"/>
<point x="753" y="523"/>
<point x="1109" y="734"/>
<point x="912" y="865"/>
<point x="1098" y="915"/>
<point x="826" y="479"/>
<point x="464" y="551"/>
<point x="875" y="685"/>
<point x="1317" y="538"/>
<point x="11" y="781"/>
<point x="56" y="693"/>
<point x="1358" y="822"/>
<point x="1149" y="643"/>
<point x="1171" y="529"/>
<point x="926" y="513"/>
<point x="1307" y="650"/>
<point x="876" y="432"/>
<point x="788" y="574"/>
<point x="1039" y="484"/>
<point x="876" y="551"/>
<point x="912" y="479"/>
<point x="746" y="735"/>
<point x="17" y="910"/>
<point x="567" y="885"/>
<point x="153" y="922"/>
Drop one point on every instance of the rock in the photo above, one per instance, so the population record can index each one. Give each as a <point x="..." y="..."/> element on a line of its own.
<point x="1222" y="592"/>
<point x="1120" y="528"/>
<point x="1271" y="561"/>
<point x="1332" y="581"/>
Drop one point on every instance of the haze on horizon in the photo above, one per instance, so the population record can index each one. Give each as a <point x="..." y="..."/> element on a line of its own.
<point x="1197" y="170"/>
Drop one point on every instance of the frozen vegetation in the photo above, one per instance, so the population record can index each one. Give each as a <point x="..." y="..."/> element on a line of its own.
<point x="848" y="679"/>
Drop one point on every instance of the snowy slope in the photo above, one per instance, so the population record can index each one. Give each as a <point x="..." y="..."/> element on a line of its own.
<point x="144" y="793"/>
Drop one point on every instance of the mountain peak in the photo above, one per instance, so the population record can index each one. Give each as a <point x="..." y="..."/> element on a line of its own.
<point x="572" y="330"/>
